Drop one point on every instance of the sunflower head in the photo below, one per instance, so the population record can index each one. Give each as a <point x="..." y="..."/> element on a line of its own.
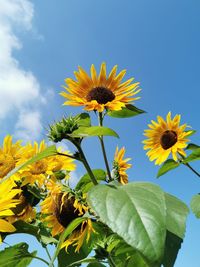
<point x="9" y="155"/>
<point x="166" y="137"/>
<point x="120" y="166"/>
<point x="99" y="92"/>
<point x="61" y="129"/>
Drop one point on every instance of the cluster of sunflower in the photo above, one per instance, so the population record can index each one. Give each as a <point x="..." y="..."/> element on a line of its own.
<point x="44" y="182"/>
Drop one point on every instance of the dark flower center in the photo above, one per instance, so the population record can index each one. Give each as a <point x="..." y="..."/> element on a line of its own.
<point x="168" y="139"/>
<point x="101" y="94"/>
<point x="65" y="211"/>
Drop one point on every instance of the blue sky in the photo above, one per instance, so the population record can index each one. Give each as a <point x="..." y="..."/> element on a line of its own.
<point x="43" y="42"/>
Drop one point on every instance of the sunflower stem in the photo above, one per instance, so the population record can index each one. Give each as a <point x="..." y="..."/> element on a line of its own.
<point x="188" y="165"/>
<point x="111" y="261"/>
<point x="192" y="169"/>
<point x="86" y="164"/>
<point x="103" y="147"/>
<point x="66" y="155"/>
<point x="48" y="254"/>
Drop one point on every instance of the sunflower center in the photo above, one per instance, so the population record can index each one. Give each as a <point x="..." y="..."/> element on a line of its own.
<point x="101" y="94"/>
<point x="168" y="139"/>
<point x="39" y="167"/>
<point x="65" y="211"/>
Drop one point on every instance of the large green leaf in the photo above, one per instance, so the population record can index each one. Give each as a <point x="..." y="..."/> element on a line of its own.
<point x="137" y="213"/>
<point x="85" y="183"/>
<point x="177" y="213"/>
<point x="93" y="131"/>
<point x="168" y="165"/>
<point x="16" y="256"/>
<point x="49" y="151"/>
<point x="195" y="155"/>
<point x="172" y="246"/>
<point x="67" y="258"/>
<point x="195" y="205"/>
<point x="127" y="112"/>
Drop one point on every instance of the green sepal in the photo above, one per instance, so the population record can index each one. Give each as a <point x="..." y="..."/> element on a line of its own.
<point x="192" y="146"/>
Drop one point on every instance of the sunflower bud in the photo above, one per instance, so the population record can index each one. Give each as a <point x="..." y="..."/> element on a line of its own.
<point x="60" y="130"/>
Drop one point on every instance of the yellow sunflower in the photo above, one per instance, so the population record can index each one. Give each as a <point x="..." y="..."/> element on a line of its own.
<point x="100" y="92"/>
<point x="10" y="155"/>
<point x="120" y="166"/>
<point x="23" y="211"/>
<point x="165" y="137"/>
<point x="8" y="201"/>
<point x="60" y="209"/>
<point x="38" y="171"/>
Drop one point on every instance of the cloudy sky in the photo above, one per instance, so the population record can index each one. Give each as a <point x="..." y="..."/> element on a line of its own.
<point x="43" y="42"/>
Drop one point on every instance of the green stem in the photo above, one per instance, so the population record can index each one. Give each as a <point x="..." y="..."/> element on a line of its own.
<point x="66" y="155"/>
<point x="192" y="169"/>
<point x="111" y="261"/>
<point x="48" y="255"/>
<point x="38" y="258"/>
<point x="103" y="148"/>
<point x="86" y="164"/>
<point x="188" y="165"/>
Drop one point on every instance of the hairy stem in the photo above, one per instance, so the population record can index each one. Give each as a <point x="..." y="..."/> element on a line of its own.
<point x="188" y="165"/>
<point x="86" y="164"/>
<point x="103" y="148"/>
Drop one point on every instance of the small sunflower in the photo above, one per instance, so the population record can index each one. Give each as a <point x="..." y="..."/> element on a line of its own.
<point x="120" y="166"/>
<point x="60" y="209"/>
<point x="25" y="210"/>
<point x="165" y="137"/>
<point x="10" y="155"/>
<point x="100" y="92"/>
<point x="8" y="201"/>
<point x="40" y="170"/>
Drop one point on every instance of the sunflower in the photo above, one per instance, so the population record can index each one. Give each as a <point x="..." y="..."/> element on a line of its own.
<point x="11" y="155"/>
<point x="25" y="210"/>
<point x="100" y="92"/>
<point x="8" y="201"/>
<point x="41" y="169"/>
<point x="120" y="166"/>
<point x="59" y="209"/>
<point x="165" y="137"/>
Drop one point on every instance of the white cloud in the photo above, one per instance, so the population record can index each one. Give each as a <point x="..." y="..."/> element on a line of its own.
<point x="20" y="92"/>
<point x="28" y="124"/>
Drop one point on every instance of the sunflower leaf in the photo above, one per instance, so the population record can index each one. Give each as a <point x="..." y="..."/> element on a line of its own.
<point x="177" y="213"/>
<point x="83" y="120"/>
<point x="72" y="257"/>
<point x="49" y="151"/>
<point x="39" y="231"/>
<point x="93" y="131"/>
<point x="16" y="255"/>
<point x="85" y="183"/>
<point x="195" y="155"/>
<point x="127" y="112"/>
<point x="192" y="146"/>
<point x="137" y="213"/>
<point x="168" y="165"/>
<point x="195" y="205"/>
